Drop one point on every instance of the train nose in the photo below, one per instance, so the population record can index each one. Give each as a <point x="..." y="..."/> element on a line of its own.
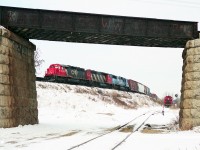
<point x="49" y="72"/>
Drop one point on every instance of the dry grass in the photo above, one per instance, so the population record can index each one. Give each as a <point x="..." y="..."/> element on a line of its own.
<point x="116" y="98"/>
<point x="115" y="95"/>
<point x="151" y="131"/>
<point x="108" y="114"/>
<point x="12" y="142"/>
<point x="158" y="101"/>
<point x="133" y="104"/>
<point x="127" y="129"/>
<point x="113" y="129"/>
<point x="69" y="134"/>
<point x="63" y="135"/>
<point x="175" y="124"/>
<point x="81" y="90"/>
<point x="121" y="103"/>
<point x="121" y="99"/>
<point x="108" y="97"/>
<point x="126" y="95"/>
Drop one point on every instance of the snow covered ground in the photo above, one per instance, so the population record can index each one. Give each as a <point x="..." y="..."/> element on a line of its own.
<point x="70" y="115"/>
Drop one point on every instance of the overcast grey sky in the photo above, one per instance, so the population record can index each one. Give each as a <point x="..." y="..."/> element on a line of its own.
<point x="158" y="68"/>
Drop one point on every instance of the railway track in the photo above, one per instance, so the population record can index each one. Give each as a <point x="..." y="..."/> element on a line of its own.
<point x="113" y="131"/>
<point x="84" y="83"/>
<point x="135" y="130"/>
<point x="41" y="79"/>
<point x="146" y="116"/>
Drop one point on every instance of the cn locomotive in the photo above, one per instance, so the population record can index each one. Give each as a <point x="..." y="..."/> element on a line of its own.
<point x="80" y="76"/>
<point x="168" y="101"/>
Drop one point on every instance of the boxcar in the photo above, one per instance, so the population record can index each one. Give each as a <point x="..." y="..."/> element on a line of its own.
<point x="141" y="88"/>
<point x="133" y="85"/>
<point x="147" y="91"/>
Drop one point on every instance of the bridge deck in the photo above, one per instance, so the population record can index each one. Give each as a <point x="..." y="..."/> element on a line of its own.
<point x="96" y="28"/>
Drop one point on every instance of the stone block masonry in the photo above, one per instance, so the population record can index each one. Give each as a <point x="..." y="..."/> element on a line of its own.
<point x="190" y="91"/>
<point x="18" y="101"/>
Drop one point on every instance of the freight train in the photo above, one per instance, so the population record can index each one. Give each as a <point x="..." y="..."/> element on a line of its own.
<point x="80" y="76"/>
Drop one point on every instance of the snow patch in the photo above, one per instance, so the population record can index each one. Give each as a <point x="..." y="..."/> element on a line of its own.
<point x="70" y="114"/>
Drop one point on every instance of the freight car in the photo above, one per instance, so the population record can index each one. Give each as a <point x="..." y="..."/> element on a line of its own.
<point x="76" y="75"/>
<point x="154" y="96"/>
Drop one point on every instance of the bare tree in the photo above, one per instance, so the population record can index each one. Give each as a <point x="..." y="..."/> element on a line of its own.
<point x="38" y="60"/>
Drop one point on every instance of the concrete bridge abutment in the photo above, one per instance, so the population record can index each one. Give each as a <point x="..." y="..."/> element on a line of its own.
<point x="190" y="91"/>
<point x="18" y="97"/>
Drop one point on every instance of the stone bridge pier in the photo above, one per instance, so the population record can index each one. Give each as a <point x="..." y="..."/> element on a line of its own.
<point x="18" y="102"/>
<point x="190" y="91"/>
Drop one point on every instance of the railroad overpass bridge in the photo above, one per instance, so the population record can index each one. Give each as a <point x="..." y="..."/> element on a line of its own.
<point x="96" y="28"/>
<point x="18" y="102"/>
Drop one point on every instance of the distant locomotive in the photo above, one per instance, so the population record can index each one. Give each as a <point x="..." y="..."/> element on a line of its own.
<point x="168" y="101"/>
<point x="80" y="76"/>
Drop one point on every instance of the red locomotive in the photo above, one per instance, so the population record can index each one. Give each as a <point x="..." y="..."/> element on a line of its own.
<point x="76" y="75"/>
<point x="81" y="76"/>
<point x="168" y="100"/>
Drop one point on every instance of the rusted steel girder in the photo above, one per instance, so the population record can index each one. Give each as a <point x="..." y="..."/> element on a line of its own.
<point x="96" y="28"/>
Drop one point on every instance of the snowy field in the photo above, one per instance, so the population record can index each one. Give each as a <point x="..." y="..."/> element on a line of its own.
<point x="70" y="115"/>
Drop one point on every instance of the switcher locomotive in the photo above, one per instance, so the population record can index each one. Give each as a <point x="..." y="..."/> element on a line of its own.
<point x="80" y="76"/>
<point x="168" y="101"/>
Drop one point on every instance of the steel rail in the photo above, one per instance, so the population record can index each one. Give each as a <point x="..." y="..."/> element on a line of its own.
<point x="133" y="131"/>
<point x="83" y="143"/>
